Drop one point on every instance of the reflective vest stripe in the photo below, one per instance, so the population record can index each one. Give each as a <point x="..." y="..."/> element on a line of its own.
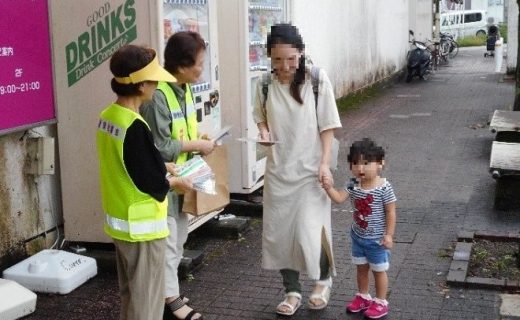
<point x="153" y="226"/>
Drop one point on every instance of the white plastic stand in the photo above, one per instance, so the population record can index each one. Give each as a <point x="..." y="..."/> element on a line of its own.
<point x="499" y="54"/>
<point x="16" y="300"/>
<point x="53" y="271"/>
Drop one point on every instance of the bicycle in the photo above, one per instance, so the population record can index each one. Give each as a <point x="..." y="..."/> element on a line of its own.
<point x="452" y="47"/>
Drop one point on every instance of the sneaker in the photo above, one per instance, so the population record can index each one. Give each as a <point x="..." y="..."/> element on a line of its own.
<point x="376" y="310"/>
<point x="358" y="304"/>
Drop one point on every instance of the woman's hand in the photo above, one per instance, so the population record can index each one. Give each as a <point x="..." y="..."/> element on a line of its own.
<point x="327" y="182"/>
<point x="180" y="184"/>
<point x="324" y="172"/>
<point x="206" y="146"/>
<point x="264" y="138"/>
<point x="171" y="168"/>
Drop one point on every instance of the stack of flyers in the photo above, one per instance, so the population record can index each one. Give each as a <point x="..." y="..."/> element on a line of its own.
<point x="200" y="174"/>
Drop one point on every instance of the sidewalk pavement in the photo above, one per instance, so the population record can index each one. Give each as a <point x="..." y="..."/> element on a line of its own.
<point x="438" y="148"/>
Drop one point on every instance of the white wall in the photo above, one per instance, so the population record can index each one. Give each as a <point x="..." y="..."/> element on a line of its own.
<point x="512" y="35"/>
<point x="29" y="204"/>
<point x="356" y="41"/>
<point x="420" y="18"/>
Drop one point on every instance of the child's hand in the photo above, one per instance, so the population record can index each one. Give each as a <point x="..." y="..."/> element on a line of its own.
<point x="388" y="241"/>
<point x="327" y="182"/>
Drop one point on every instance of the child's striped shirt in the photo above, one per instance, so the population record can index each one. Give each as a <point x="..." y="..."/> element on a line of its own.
<point x="369" y="209"/>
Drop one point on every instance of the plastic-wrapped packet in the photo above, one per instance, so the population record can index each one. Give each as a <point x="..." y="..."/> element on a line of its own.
<point x="200" y="173"/>
<point x="207" y="185"/>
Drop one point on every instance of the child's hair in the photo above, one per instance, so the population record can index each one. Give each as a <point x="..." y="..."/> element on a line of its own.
<point x="367" y="149"/>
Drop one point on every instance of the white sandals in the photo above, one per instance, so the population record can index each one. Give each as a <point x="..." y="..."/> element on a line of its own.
<point x="323" y="295"/>
<point x="289" y="307"/>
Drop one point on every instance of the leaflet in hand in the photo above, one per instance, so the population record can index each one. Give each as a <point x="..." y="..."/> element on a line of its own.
<point x="216" y="137"/>
<point x="200" y="173"/>
<point x="258" y="140"/>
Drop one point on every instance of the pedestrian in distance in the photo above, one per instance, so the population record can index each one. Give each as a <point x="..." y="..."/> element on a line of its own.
<point x="373" y="226"/>
<point x="134" y="184"/>
<point x="173" y="120"/>
<point x="297" y="235"/>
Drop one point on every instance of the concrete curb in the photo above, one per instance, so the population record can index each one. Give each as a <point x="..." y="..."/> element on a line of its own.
<point x="458" y="273"/>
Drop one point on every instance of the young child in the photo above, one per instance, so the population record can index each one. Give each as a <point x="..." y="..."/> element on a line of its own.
<point x="373" y="227"/>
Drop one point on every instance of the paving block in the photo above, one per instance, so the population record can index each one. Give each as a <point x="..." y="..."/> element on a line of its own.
<point x="514" y="235"/>
<point x="191" y="260"/>
<point x="493" y="236"/>
<point x="485" y="283"/>
<point x="242" y="207"/>
<point x="510" y="306"/>
<point x="462" y="251"/>
<point x="456" y="277"/>
<point x="465" y="236"/>
<point x="227" y="229"/>
<point x="512" y="284"/>
<point x="459" y="265"/>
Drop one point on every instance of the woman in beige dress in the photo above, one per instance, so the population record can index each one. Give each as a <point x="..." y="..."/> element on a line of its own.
<point x="297" y="235"/>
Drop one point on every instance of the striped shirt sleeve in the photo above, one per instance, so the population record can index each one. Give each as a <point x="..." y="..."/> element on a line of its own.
<point x="388" y="194"/>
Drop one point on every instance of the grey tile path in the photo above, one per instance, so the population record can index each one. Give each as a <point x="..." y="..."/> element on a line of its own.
<point x="437" y="160"/>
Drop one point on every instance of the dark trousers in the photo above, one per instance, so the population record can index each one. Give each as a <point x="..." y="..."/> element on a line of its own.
<point x="291" y="278"/>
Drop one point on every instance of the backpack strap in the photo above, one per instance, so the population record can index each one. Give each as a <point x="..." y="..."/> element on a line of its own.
<point x="315" y="80"/>
<point x="266" y="81"/>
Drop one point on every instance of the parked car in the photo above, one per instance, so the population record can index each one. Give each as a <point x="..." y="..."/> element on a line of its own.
<point x="464" y="23"/>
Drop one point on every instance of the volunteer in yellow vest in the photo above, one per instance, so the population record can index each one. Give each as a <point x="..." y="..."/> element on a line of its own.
<point x="134" y="184"/>
<point x="172" y="119"/>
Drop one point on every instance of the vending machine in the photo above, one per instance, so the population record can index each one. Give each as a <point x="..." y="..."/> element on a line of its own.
<point x="243" y="28"/>
<point x="84" y="36"/>
<point x="198" y="16"/>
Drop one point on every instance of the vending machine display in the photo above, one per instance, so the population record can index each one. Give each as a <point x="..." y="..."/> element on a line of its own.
<point x="262" y="15"/>
<point x="243" y="29"/>
<point x="198" y="16"/>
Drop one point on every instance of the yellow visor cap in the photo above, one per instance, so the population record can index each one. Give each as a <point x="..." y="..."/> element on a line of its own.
<point x="151" y="72"/>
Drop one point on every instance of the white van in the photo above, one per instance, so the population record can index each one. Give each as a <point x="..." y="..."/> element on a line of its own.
<point x="464" y="23"/>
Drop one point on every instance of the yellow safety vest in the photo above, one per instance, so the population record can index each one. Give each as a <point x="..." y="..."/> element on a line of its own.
<point x="130" y="215"/>
<point x="184" y="126"/>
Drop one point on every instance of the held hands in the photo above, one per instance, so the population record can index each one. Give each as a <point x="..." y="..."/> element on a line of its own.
<point x="388" y="241"/>
<point x="327" y="183"/>
<point x="325" y="176"/>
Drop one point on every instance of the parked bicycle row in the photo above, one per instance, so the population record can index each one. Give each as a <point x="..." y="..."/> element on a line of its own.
<point x="424" y="57"/>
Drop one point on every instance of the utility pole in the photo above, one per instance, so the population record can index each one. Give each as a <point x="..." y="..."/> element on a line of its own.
<point x="516" y="105"/>
<point x="437" y="19"/>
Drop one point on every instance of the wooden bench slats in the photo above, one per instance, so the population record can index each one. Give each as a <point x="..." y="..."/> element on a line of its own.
<point x="505" y="156"/>
<point x="503" y="120"/>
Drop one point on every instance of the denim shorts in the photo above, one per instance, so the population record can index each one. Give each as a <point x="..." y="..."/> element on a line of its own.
<point x="370" y="251"/>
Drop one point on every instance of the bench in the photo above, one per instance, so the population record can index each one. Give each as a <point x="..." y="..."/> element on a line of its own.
<point x="506" y="124"/>
<point x="505" y="159"/>
<point x="504" y="163"/>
